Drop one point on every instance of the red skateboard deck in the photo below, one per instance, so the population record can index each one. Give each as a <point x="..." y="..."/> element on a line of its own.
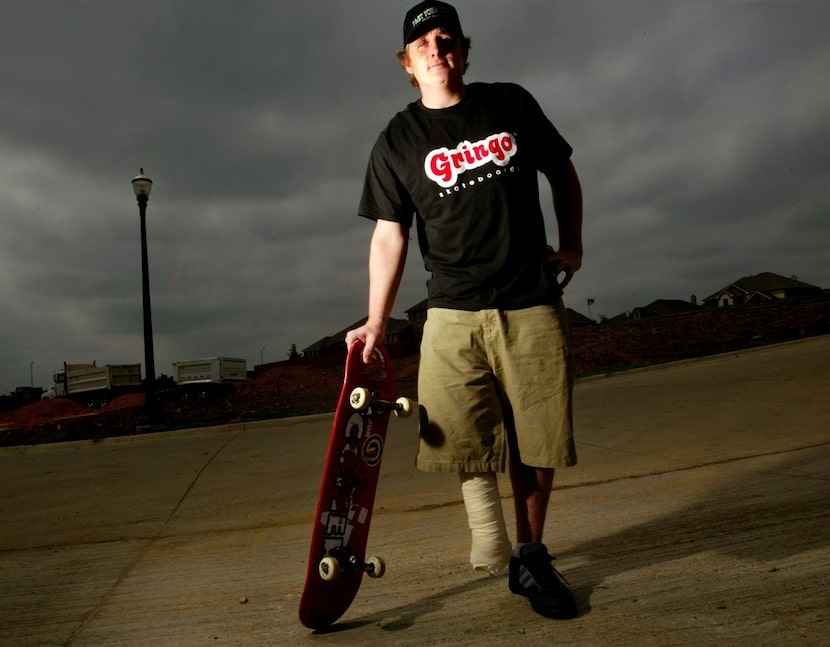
<point x="337" y="560"/>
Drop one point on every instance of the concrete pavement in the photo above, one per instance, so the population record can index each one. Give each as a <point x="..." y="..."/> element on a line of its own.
<point x="699" y="514"/>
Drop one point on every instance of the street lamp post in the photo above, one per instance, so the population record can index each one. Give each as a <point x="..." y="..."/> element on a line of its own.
<point x="142" y="185"/>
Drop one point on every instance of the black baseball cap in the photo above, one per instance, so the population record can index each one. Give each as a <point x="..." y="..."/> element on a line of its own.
<point x="426" y="16"/>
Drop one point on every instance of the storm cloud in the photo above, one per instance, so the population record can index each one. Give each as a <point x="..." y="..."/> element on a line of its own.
<point x="701" y="133"/>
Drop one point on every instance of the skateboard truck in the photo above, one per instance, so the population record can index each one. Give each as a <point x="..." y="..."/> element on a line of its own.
<point x="342" y="559"/>
<point x="362" y="398"/>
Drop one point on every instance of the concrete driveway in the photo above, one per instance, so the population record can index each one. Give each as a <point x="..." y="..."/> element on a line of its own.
<point x="699" y="515"/>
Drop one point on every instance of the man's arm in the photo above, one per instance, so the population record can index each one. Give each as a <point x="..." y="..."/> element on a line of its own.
<point x="567" y="204"/>
<point x="387" y="254"/>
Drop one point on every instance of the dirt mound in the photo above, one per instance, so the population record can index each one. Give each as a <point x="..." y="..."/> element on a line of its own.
<point x="290" y="389"/>
<point x="126" y="401"/>
<point x="46" y="411"/>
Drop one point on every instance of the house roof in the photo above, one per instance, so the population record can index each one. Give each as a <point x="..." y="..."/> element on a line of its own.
<point x="421" y="305"/>
<point x="577" y="318"/>
<point x="663" y="307"/>
<point x="764" y="282"/>
<point x="339" y="338"/>
<point x="658" y="308"/>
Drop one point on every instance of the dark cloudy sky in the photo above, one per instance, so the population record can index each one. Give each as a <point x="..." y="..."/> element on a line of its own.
<point x="701" y="132"/>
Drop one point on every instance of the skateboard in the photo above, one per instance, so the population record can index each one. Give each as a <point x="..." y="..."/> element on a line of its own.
<point x="337" y="559"/>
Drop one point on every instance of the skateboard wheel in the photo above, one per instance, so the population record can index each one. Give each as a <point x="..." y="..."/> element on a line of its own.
<point x="329" y="568"/>
<point x="360" y="398"/>
<point x="404" y="408"/>
<point x="376" y="567"/>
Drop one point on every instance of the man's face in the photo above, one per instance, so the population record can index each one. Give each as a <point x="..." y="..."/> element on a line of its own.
<point x="435" y="59"/>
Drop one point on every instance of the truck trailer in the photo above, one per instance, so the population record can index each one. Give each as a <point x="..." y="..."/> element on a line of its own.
<point x="211" y="370"/>
<point x="93" y="384"/>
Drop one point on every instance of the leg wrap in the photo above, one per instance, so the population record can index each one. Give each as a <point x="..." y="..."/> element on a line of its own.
<point x="491" y="546"/>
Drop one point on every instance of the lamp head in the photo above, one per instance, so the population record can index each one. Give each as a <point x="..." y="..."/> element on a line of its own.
<point x="142" y="185"/>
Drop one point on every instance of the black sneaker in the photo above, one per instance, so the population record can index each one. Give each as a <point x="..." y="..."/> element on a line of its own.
<point x="532" y="575"/>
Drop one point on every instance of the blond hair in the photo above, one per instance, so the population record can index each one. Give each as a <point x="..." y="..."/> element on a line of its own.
<point x="403" y="59"/>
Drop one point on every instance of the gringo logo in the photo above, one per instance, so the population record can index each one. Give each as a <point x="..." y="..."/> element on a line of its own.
<point x="443" y="165"/>
<point x="372" y="450"/>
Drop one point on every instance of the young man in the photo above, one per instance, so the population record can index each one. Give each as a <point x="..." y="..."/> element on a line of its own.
<point x="495" y="381"/>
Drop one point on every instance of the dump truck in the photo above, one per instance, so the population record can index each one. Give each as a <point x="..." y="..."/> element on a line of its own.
<point x="92" y="384"/>
<point x="211" y="370"/>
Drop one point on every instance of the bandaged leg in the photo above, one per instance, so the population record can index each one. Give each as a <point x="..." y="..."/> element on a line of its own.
<point x="491" y="546"/>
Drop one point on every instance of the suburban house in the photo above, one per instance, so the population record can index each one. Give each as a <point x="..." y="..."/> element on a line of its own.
<point x="417" y="316"/>
<point x="660" y="308"/>
<point x="760" y="288"/>
<point x="398" y="331"/>
<point x="578" y="320"/>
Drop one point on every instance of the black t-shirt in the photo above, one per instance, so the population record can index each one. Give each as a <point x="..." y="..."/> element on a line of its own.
<point x="468" y="175"/>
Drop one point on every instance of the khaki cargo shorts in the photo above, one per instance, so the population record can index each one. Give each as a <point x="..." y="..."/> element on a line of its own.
<point x="491" y="380"/>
